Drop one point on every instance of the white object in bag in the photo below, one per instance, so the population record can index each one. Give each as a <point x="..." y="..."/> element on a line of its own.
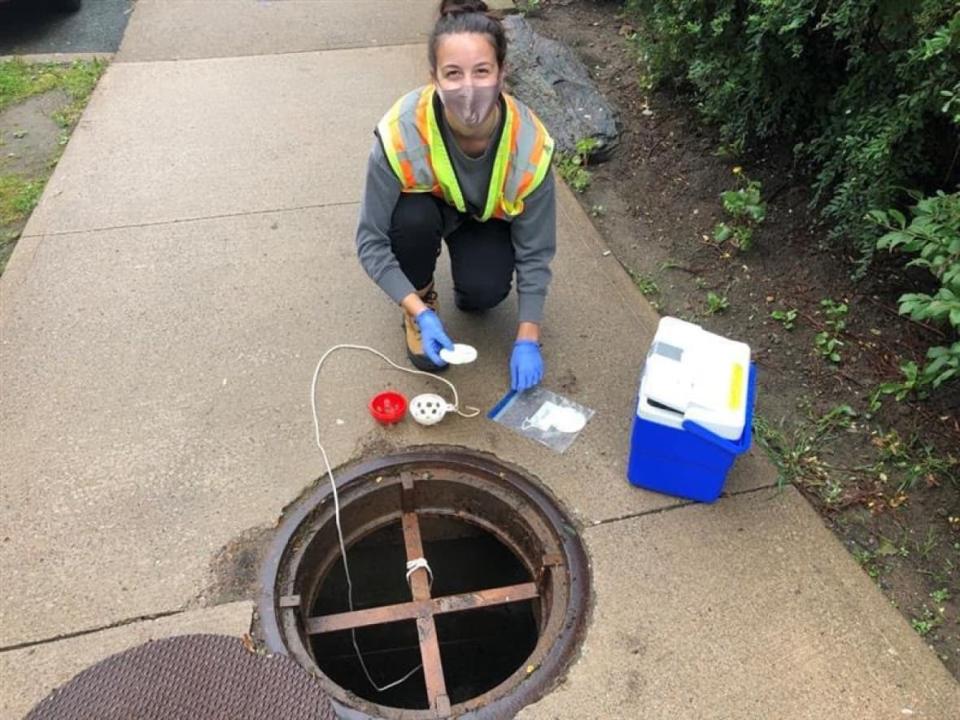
<point x="551" y="416"/>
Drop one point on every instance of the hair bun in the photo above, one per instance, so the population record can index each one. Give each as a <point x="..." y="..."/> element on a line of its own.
<point x="462" y="7"/>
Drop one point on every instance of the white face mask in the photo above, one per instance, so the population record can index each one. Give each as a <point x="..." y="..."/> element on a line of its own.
<point x="470" y="104"/>
<point x="551" y="416"/>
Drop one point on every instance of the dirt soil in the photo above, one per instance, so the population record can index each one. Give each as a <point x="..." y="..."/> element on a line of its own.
<point x="886" y="481"/>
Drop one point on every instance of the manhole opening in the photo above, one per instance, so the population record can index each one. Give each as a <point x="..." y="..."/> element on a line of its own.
<point x="479" y="649"/>
<point x="495" y="630"/>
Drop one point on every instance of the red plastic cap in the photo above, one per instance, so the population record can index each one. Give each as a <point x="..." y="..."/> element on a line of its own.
<point x="388" y="407"/>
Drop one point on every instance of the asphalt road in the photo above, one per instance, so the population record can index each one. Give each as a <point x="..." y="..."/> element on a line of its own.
<point x="29" y="27"/>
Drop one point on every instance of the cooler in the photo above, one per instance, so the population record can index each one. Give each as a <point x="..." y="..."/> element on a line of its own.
<point x="694" y="411"/>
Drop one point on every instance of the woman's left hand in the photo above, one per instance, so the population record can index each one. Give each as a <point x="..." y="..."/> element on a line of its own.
<point x="526" y="365"/>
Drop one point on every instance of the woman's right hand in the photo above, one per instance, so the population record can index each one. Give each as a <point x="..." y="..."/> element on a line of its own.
<point x="434" y="336"/>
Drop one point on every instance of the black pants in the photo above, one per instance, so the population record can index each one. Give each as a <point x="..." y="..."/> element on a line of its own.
<point x="481" y="253"/>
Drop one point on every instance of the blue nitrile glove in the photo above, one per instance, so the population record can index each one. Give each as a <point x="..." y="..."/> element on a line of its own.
<point x="526" y="365"/>
<point x="433" y="335"/>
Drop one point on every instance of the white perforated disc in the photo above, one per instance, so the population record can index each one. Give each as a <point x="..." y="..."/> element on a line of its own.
<point x="428" y="409"/>
<point x="460" y="355"/>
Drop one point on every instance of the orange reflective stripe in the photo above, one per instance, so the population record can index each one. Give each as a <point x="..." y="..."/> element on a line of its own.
<point x="407" y="168"/>
<point x="400" y="147"/>
<point x="533" y="162"/>
<point x="537" y="146"/>
<point x="524" y="183"/>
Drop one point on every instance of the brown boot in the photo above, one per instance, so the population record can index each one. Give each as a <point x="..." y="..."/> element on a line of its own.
<point x="414" y="340"/>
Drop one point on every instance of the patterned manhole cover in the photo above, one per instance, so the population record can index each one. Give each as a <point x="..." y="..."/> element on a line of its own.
<point x="213" y="677"/>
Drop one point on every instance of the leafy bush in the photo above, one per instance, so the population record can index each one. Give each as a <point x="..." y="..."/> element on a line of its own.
<point x="867" y="91"/>
<point x="933" y="237"/>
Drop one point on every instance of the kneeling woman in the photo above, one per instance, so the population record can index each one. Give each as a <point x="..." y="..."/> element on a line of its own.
<point x="461" y="161"/>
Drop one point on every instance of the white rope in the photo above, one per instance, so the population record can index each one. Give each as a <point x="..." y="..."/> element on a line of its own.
<point x="471" y="412"/>
<point x="418" y="564"/>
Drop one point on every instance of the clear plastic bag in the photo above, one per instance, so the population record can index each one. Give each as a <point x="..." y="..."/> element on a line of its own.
<point x="544" y="416"/>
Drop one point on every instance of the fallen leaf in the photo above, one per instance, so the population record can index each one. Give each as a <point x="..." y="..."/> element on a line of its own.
<point x="248" y="643"/>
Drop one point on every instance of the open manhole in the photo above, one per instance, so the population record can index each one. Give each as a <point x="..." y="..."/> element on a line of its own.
<point x="492" y="633"/>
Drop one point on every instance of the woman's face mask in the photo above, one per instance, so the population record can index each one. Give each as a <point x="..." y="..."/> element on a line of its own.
<point x="471" y="104"/>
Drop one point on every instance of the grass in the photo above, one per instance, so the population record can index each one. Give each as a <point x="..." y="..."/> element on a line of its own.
<point x="646" y="284"/>
<point x="19" y="81"/>
<point x="916" y="461"/>
<point x="794" y="454"/>
<point x="926" y="623"/>
<point x="941" y="595"/>
<point x="18" y="197"/>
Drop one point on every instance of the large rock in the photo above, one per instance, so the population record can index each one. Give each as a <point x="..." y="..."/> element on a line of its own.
<point x="548" y="76"/>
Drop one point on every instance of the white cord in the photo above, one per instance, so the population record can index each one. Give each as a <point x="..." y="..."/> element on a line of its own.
<point x="472" y="412"/>
<point x="418" y="564"/>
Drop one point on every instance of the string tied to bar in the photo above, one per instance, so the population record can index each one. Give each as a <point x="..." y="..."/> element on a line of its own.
<point x="418" y="564"/>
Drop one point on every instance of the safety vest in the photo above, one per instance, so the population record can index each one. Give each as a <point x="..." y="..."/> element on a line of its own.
<point x="414" y="147"/>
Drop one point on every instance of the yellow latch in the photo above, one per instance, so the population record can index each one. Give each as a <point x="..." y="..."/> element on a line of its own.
<point x="736" y="387"/>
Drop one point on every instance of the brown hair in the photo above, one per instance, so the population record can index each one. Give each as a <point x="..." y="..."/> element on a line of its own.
<point x="468" y="16"/>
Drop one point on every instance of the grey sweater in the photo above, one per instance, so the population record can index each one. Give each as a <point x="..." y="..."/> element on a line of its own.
<point x="533" y="232"/>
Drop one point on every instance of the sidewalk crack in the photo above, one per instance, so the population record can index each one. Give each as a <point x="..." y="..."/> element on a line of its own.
<point x="90" y="631"/>
<point x="201" y="218"/>
<point x="678" y="506"/>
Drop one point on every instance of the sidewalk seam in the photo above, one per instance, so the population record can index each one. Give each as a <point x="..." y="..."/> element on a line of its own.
<point x="91" y="631"/>
<point x="678" y="506"/>
<point x="199" y="218"/>
<point x="118" y="58"/>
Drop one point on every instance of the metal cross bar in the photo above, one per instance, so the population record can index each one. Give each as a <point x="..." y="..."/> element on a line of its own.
<point x="437" y="697"/>
<point x="421" y="608"/>
<point x="426" y="608"/>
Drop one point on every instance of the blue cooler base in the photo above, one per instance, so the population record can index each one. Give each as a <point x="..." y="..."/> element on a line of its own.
<point x="690" y="463"/>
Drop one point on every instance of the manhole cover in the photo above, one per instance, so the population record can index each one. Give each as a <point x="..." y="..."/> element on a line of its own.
<point x="492" y="633"/>
<point x="191" y="676"/>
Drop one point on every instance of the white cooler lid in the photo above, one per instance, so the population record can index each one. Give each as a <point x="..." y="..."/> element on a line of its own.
<point x="692" y="374"/>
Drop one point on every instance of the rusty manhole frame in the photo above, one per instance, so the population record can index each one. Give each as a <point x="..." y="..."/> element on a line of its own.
<point x="536" y="530"/>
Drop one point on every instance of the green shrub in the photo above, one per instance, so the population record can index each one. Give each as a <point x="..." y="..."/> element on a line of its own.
<point x="866" y="91"/>
<point x="933" y="237"/>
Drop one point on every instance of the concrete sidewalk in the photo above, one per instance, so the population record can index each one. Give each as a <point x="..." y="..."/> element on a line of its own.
<point x="192" y="257"/>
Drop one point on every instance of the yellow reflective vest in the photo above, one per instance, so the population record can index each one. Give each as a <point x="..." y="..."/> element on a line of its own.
<point x="414" y="146"/>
